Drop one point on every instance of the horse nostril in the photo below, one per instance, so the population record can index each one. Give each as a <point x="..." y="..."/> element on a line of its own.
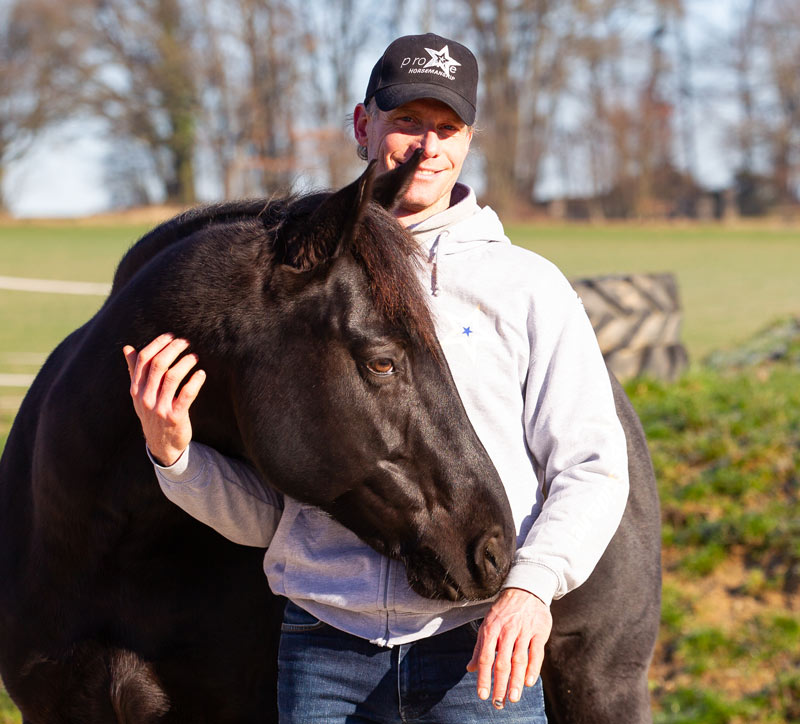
<point x="490" y="557"/>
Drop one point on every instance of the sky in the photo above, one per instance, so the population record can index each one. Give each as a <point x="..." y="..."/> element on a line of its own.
<point x="61" y="176"/>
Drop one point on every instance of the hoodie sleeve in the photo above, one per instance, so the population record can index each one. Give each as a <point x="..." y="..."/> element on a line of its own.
<point x="579" y="446"/>
<point x="224" y="493"/>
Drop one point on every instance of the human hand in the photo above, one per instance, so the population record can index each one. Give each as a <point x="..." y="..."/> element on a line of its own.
<point x="155" y="377"/>
<point x="510" y="644"/>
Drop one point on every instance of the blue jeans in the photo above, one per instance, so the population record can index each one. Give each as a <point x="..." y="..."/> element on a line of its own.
<point x="326" y="675"/>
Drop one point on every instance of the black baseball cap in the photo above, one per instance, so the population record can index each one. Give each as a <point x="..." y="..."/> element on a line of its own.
<point x="426" y="66"/>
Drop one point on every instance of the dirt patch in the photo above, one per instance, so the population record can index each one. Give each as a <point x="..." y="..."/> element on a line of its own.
<point x="725" y="610"/>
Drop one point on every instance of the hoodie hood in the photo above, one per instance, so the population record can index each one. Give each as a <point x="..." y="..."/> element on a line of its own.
<point x="468" y="225"/>
<point x="460" y="228"/>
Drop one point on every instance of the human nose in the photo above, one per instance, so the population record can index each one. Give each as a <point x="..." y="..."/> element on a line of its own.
<point x="429" y="143"/>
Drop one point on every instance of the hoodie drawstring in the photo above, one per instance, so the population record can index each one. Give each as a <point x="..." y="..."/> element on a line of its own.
<point x="433" y="258"/>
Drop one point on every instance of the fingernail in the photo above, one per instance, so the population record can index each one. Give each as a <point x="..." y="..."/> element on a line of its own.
<point x="513" y="695"/>
<point x="530" y="681"/>
<point x="498" y="703"/>
<point x="483" y="693"/>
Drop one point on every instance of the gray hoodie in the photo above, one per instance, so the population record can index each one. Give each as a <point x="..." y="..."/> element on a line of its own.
<point x="530" y="374"/>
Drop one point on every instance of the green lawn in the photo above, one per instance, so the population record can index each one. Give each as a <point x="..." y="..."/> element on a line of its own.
<point x="32" y="324"/>
<point x="726" y="450"/>
<point x="65" y="250"/>
<point x="732" y="281"/>
<point x="8" y="712"/>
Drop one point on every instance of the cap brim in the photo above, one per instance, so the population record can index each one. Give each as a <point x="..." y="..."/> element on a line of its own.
<point x="396" y="95"/>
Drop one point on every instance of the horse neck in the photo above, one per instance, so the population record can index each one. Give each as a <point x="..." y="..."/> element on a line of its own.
<point x="178" y="229"/>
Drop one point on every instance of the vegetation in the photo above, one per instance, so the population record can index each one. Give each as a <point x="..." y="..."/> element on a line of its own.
<point x="732" y="280"/>
<point x="65" y="249"/>
<point x="33" y="324"/>
<point x="726" y="448"/>
<point x="8" y="712"/>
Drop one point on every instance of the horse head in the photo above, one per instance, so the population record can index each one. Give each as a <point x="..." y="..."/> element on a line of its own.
<point x="311" y="321"/>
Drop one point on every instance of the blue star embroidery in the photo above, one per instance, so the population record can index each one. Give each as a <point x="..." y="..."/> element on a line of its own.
<point x="467" y="331"/>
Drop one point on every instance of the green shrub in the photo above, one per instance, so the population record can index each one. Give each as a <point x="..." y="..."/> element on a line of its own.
<point x="726" y="450"/>
<point x="695" y="706"/>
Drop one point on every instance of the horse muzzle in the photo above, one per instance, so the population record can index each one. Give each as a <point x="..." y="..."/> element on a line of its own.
<point x="475" y="575"/>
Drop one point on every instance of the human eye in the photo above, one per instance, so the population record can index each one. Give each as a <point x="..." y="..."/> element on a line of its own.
<point x="406" y="123"/>
<point x="449" y="129"/>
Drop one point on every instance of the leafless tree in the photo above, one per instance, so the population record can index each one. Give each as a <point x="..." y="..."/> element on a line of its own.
<point x="779" y="32"/>
<point x="255" y="93"/>
<point x="36" y="75"/>
<point x="599" y="90"/>
<point x="766" y="58"/>
<point x="336" y="33"/>
<point x="522" y="47"/>
<point x="138" y="75"/>
<point x="631" y="85"/>
<point x="251" y="92"/>
<point x="743" y="47"/>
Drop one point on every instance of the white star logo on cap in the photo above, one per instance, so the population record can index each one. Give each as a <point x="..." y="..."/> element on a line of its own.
<point x="441" y="59"/>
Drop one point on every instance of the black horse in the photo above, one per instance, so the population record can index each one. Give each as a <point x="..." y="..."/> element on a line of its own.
<point x="117" y="606"/>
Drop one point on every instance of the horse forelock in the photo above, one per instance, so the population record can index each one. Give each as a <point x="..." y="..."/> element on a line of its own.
<point x="392" y="259"/>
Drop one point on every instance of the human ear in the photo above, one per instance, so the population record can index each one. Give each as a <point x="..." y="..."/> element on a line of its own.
<point x="360" y="120"/>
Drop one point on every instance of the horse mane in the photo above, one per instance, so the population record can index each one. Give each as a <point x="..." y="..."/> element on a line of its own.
<point x="392" y="259"/>
<point x="389" y="255"/>
<point x="181" y="226"/>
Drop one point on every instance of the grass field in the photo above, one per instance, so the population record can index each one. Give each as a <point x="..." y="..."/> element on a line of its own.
<point x="726" y="444"/>
<point x="732" y="281"/>
<point x="34" y="323"/>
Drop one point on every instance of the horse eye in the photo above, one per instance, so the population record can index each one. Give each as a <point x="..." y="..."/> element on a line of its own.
<point x="381" y="366"/>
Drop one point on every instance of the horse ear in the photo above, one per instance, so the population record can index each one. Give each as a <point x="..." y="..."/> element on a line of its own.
<point x="330" y="227"/>
<point x="390" y="186"/>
